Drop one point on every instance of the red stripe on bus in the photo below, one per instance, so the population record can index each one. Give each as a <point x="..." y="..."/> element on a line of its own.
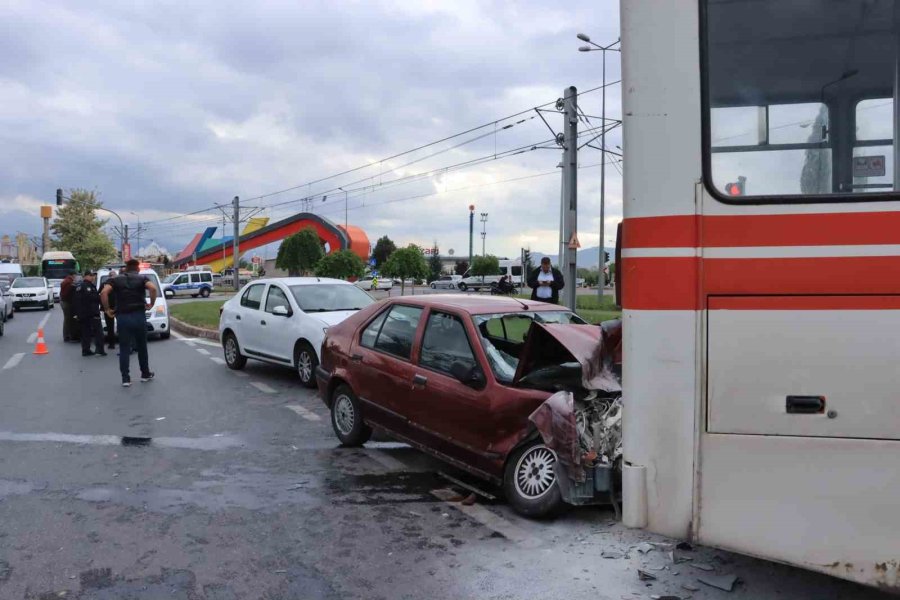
<point x="681" y="283"/>
<point x="805" y="303"/>
<point x="818" y="229"/>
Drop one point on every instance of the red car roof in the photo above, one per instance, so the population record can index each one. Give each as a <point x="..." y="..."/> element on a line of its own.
<point x="475" y="304"/>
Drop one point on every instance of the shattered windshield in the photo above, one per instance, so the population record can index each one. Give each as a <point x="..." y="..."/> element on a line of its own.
<point x="502" y="336"/>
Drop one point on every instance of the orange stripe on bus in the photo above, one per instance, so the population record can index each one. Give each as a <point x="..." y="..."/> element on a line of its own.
<point x="682" y="283"/>
<point x="717" y="231"/>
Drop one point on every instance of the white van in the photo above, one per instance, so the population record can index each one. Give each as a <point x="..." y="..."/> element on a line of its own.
<point x="158" y="315"/>
<point x="510" y="268"/>
<point x="10" y="271"/>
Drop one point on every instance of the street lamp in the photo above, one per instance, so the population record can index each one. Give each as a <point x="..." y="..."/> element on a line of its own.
<point x="122" y="235"/>
<point x="604" y="49"/>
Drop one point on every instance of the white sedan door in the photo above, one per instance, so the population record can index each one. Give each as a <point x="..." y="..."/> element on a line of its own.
<point x="248" y="315"/>
<point x="277" y="331"/>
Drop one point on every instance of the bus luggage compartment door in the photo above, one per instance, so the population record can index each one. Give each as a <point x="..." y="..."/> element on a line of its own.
<point x="823" y="366"/>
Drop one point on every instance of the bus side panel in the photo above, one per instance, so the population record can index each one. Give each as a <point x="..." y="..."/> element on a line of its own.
<point x="658" y="421"/>
<point x="775" y="504"/>
<point x="661" y="85"/>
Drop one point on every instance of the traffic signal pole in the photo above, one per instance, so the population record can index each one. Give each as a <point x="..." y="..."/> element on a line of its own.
<point x="570" y="195"/>
<point x="236" y="203"/>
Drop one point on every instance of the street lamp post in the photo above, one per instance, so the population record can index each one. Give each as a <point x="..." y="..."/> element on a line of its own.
<point x="138" y="232"/>
<point x="123" y="236"/>
<point x="602" y="263"/>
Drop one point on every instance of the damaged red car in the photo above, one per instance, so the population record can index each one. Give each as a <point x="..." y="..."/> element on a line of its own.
<point x="522" y="394"/>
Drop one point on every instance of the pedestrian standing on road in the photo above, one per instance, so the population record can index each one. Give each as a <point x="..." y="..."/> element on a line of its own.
<point x="86" y="305"/>
<point x="110" y="321"/>
<point x="66" y="290"/>
<point x="130" y="290"/>
<point x="545" y="283"/>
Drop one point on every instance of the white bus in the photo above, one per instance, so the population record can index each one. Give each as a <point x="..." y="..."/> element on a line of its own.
<point x="56" y="266"/>
<point x="760" y="278"/>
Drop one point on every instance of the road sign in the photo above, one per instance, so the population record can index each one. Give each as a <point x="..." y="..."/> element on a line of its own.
<point x="574" y="244"/>
<point x="372" y="261"/>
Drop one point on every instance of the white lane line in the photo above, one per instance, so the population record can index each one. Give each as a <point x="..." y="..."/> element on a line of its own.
<point x="263" y="387"/>
<point x="44" y="321"/>
<point x="490" y="520"/>
<point x="215" y="442"/>
<point x="13" y="360"/>
<point x="386" y="460"/>
<point x="239" y="374"/>
<point x="202" y="351"/>
<point x="303" y="412"/>
<point x="217" y="360"/>
<point x="195" y="340"/>
<point x="32" y="338"/>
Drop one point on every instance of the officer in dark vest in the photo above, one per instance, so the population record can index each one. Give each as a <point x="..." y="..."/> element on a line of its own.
<point x="130" y="289"/>
<point x="86" y="302"/>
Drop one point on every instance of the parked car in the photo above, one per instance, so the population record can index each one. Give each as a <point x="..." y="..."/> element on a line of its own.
<point x="450" y="375"/>
<point x="446" y="282"/>
<point x="158" y="315"/>
<point x="31" y="292"/>
<point x="368" y="283"/>
<point x="189" y="283"/>
<point x="6" y="297"/>
<point x="283" y="321"/>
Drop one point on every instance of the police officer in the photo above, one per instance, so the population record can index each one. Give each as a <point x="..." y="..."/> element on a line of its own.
<point x="130" y="289"/>
<point x="86" y="304"/>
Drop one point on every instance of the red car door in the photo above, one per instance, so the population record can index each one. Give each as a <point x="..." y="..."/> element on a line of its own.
<point x="382" y="371"/>
<point x="454" y="418"/>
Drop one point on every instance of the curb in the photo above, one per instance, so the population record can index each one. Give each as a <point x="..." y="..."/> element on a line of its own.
<point x="192" y="330"/>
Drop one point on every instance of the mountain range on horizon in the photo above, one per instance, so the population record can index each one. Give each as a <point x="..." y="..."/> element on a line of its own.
<point x="587" y="258"/>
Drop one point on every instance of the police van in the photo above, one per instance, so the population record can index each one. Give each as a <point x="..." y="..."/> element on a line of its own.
<point x="193" y="283"/>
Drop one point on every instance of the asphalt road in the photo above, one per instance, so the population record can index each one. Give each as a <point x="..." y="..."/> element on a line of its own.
<point x="208" y="484"/>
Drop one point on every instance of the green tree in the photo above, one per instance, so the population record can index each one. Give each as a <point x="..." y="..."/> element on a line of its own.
<point x="384" y="247"/>
<point x="485" y="265"/>
<point x="406" y="263"/>
<point x="461" y="267"/>
<point x="435" y="266"/>
<point x="590" y="276"/>
<point x="78" y="230"/>
<point x="611" y="276"/>
<point x="299" y="253"/>
<point x="341" y="265"/>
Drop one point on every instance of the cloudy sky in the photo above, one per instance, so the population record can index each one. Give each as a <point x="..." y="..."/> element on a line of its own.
<point x="167" y="108"/>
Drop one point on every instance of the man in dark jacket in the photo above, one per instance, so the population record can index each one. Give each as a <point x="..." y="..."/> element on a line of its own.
<point x="66" y="291"/>
<point x="545" y="283"/>
<point x="86" y="304"/>
<point x="130" y="290"/>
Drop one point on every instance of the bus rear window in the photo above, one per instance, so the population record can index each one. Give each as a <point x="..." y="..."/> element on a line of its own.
<point x="798" y="99"/>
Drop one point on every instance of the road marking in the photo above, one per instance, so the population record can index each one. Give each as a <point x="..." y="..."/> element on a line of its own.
<point x="195" y="340"/>
<point x="490" y="520"/>
<point x="44" y="321"/>
<point x="239" y="374"/>
<point x="263" y="387"/>
<point x="32" y="338"/>
<point x="202" y="351"/>
<point x="215" y="442"/>
<point x="303" y="412"/>
<point x="217" y="360"/>
<point x="13" y="360"/>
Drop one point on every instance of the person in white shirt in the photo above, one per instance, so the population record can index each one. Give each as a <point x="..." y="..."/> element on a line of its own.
<point x="545" y="283"/>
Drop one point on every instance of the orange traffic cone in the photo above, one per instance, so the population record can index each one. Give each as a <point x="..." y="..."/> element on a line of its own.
<point x="41" y="346"/>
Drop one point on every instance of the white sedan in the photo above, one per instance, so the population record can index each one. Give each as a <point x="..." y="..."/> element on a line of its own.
<point x="369" y="284"/>
<point x="446" y="282"/>
<point x="283" y="321"/>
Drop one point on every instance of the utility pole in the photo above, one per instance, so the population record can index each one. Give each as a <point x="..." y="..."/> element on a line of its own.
<point x="471" y="231"/>
<point x="234" y="256"/>
<point x="570" y="194"/>
<point x="484" y="217"/>
<point x="601" y="281"/>
<point x="125" y="243"/>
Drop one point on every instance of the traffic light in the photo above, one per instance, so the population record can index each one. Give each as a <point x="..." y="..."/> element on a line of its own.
<point x="605" y="257"/>
<point x="736" y="188"/>
<point x="59" y="198"/>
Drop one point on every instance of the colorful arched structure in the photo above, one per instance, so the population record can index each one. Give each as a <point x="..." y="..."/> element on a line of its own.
<point x="203" y="251"/>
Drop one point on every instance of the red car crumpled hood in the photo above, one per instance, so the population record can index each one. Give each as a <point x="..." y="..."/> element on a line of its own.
<point x="596" y="349"/>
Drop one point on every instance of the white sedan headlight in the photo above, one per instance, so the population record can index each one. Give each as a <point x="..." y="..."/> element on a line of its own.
<point x="159" y="311"/>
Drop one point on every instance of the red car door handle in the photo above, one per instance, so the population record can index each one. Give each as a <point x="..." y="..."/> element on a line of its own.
<point x="420" y="380"/>
<point x="356" y="358"/>
<point x="262" y="322"/>
<point x="238" y="317"/>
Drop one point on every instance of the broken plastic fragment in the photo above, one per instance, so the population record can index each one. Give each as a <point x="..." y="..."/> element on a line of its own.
<point x="703" y="566"/>
<point x="645" y="576"/>
<point x="722" y="582"/>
